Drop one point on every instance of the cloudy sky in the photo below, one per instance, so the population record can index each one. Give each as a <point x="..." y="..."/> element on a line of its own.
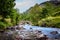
<point x="23" y="5"/>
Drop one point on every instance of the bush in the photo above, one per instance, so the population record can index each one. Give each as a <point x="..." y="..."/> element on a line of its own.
<point x="4" y="24"/>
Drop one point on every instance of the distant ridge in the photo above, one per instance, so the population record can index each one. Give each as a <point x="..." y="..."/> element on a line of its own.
<point x="55" y="2"/>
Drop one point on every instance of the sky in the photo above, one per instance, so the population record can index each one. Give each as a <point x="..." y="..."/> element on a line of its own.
<point x="24" y="5"/>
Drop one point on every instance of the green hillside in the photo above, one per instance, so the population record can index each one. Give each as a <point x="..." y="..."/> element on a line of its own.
<point x="46" y="14"/>
<point x="50" y="22"/>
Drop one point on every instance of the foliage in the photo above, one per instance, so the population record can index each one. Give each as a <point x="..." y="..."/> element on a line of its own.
<point x="6" y="7"/>
<point x="46" y="14"/>
<point x="50" y="22"/>
<point x="14" y="16"/>
<point x="8" y="15"/>
<point x="33" y="14"/>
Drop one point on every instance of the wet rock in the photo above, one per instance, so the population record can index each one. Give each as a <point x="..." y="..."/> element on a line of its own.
<point x="27" y="39"/>
<point x="39" y="35"/>
<point x="17" y="37"/>
<point x="1" y="31"/>
<point x="42" y="38"/>
<point x="54" y="32"/>
<point x="52" y="39"/>
<point x="39" y="31"/>
<point x="30" y="28"/>
<point x="10" y="28"/>
<point x="18" y="28"/>
<point x="6" y="37"/>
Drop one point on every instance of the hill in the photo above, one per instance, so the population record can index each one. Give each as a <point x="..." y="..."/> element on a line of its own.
<point x="46" y="14"/>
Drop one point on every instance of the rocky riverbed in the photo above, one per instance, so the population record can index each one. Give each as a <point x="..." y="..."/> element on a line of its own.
<point x="20" y="33"/>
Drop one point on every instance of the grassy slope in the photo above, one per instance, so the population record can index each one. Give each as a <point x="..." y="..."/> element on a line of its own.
<point x="50" y="21"/>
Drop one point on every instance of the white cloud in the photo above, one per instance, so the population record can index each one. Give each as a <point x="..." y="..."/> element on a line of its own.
<point x="23" y="5"/>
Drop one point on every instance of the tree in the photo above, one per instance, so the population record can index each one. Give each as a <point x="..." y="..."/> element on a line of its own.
<point x="44" y="13"/>
<point x="6" y="7"/>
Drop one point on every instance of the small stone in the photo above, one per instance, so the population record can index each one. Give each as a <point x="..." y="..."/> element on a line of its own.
<point x="54" y="32"/>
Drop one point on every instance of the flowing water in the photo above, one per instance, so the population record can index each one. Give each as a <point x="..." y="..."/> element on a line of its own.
<point x="45" y="30"/>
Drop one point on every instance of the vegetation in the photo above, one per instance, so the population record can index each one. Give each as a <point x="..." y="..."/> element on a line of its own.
<point x="8" y="15"/>
<point x="46" y="15"/>
<point x="50" y="22"/>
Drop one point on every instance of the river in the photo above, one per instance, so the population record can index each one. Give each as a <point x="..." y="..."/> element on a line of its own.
<point x="45" y="30"/>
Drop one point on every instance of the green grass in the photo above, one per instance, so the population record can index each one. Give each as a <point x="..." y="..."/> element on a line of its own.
<point x="50" y="21"/>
